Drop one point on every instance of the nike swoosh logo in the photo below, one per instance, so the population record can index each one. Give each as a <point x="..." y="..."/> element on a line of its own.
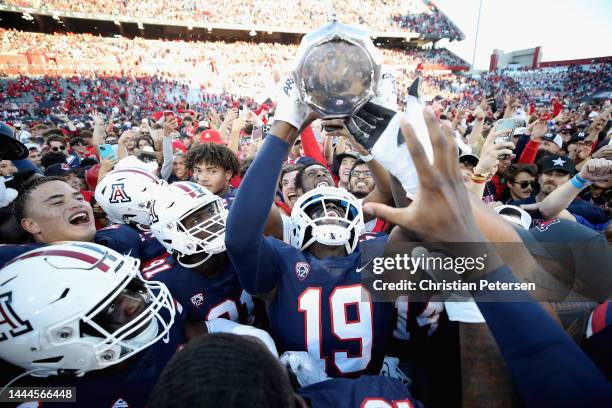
<point x="358" y="270"/>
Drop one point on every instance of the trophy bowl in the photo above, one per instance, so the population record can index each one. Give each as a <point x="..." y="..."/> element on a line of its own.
<point x="337" y="70"/>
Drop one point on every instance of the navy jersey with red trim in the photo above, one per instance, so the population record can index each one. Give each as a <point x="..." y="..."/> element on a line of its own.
<point x="121" y="238"/>
<point x="598" y="341"/>
<point x="321" y="307"/>
<point x="126" y="385"/>
<point x="228" y="198"/>
<point x="126" y="239"/>
<point x="202" y="297"/>
<point x="364" y="392"/>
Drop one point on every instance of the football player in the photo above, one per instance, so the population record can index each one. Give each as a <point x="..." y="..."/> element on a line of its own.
<point x="51" y="211"/>
<point x="125" y="195"/>
<point x="223" y="370"/>
<point x="316" y="302"/>
<point x="189" y="221"/>
<point x="80" y="315"/>
<point x="213" y="166"/>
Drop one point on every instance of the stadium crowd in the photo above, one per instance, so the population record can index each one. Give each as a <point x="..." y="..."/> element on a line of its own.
<point x="420" y="16"/>
<point x="168" y="242"/>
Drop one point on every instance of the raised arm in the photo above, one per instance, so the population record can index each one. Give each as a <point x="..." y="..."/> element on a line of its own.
<point x="253" y="255"/>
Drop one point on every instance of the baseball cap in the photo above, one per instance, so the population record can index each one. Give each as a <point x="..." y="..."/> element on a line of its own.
<point x="515" y="215"/>
<point x="578" y="137"/>
<point x="555" y="138"/>
<point x="11" y="148"/>
<point x="59" y="169"/>
<point x="344" y="155"/>
<point x="469" y="158"/>
<point x="556" y="162"/>
<point x="211" y="136"/>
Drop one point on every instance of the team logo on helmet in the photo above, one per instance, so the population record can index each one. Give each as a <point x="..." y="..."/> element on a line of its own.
<point x="302" y="269"/>
<point x="10" y="323"/>
<point x="118" y="194"/>
<point x="197" y="299"/>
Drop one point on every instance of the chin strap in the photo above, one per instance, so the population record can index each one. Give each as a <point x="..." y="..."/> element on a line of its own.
<point x="193" y="265"/>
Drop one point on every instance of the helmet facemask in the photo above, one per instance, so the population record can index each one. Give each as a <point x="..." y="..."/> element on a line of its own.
<point x="329" y="216"/>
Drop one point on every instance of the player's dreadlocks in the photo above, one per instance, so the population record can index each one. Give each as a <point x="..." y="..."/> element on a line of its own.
<point x="214" y="154"/>
<point x="223" y="370"/>
<point x="19" y="205"/>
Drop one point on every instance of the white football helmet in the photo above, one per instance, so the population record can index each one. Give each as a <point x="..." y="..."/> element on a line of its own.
<point x="125" y="195"/>
<point x="329" y="227"/>
<point x="54" y="299"/>
<point x="168" y="214"/>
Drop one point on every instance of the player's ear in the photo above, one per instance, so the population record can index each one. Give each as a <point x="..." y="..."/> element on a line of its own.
<point x="30" y="226"/>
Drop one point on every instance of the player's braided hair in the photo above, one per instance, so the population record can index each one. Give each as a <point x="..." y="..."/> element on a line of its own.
<point x="215" y="154"/>
<point x="23" y="196"/>
<point x="223" y="370"/>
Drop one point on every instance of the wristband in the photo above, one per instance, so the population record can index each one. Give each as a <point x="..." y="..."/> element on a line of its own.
<point x="367" y="158"/>
<point x="478" y="180"/>
<point x="580" y="182"/>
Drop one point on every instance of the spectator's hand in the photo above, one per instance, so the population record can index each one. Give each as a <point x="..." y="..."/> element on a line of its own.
<point x="479" y="114"/>
<point x="98" y="118"/>
<point x="491" y="151"/>
<point x="108" y="164"/>
<point x="214" y="121"/>
<point x="170" y="126"/>
<point x="124" y="137"/>
<point x="603" y="153"/>
<point x="441" y="210"/>
<point x="597" y="170"/>
<point x="538" y="130"/>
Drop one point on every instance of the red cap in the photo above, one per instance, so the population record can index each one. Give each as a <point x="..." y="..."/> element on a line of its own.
<point x="211" y="136"/>
<point x="176" y="145"/>
<point x="91" y="176"/>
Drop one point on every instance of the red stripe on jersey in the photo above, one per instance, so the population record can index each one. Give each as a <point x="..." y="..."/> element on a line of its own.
<point x="70" y="254"/>
<point x="598" y="323"/>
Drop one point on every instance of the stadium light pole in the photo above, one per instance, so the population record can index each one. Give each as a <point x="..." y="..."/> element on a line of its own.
<point x="476" y="39"/>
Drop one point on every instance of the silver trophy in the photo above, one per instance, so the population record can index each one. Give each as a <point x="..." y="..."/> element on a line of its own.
<point x="337" y="69"/>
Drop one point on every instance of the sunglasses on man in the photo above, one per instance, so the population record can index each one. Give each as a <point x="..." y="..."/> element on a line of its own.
<point x="525" y="184"/>
<point x="57" y="149"/>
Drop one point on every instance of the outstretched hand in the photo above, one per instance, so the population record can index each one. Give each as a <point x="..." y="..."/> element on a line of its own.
<point x="441" y="210"/>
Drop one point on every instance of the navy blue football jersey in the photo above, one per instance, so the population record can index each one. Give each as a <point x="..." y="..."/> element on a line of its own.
<point x="121" y="238"/>
<point x="228" y="198"/>
<point x="202" y="297"/>
<point x="125" y="239"/>
<point x="322" y="307"/>
<point x="364" y="392"/>
<point x="126" y="385"/>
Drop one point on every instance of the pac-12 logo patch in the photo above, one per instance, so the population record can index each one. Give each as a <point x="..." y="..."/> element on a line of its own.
<point x="118" y="194"/>
<point x="197" y="299"/>
<point x="302" y="269"/>
<point x="121" y="403"/>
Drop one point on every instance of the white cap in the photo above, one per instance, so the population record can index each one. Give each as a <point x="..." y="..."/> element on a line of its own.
<point x="511" y="214"/>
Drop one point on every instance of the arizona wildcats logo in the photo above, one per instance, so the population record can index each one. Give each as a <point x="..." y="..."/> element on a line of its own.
<point x="197" y="299"/>
<point x="302" y="269"/>
<point x="118" y="194"/>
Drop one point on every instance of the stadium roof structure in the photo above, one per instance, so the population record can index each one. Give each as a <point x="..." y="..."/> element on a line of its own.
<point x="52" y="21"/>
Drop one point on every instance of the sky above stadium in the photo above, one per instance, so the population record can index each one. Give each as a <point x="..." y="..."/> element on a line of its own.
<point x="566" y="29"/>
